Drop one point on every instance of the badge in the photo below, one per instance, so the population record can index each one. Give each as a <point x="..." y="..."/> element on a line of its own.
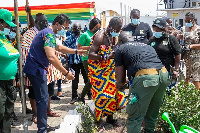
<point x="131" y="32"/>
<point x="158" y="21"/>
<point x="141" y="31"/>
<point x="165" y="43"/>
<point x="153" y="43"/>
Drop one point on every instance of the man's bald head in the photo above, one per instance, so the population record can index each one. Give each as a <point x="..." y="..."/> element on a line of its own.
<point x="124" y="37"/>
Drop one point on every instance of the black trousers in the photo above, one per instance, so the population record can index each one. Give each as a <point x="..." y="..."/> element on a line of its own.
<point x="7" y="91"/>
<point x="78" y="68"/>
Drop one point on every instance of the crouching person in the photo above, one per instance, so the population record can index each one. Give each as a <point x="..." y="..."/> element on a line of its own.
<point x="148" y="82"/>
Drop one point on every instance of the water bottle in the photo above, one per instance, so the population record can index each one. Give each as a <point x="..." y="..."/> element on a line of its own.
<point x="132" y="99"/>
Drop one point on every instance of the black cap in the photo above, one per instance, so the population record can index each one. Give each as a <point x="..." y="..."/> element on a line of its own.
<point x="159" y="22"/>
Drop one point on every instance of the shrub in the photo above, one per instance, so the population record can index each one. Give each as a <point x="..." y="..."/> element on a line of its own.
<point x="183" y="106"/>
<point x="88" y="120"/>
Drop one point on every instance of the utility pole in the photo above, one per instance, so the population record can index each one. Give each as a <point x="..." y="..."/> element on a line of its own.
<point x="20" y="68"/>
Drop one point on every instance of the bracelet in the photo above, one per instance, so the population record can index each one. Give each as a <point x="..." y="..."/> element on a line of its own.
<point x="76" y="51"/>
<point x="66" y="73"/>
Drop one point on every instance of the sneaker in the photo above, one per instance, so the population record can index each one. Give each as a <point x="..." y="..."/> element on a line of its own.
<point x="73" y="100"/>
<point x="55" y="98"/>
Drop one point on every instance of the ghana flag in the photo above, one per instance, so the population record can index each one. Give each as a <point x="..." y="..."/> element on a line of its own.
<point x="76" y="11"/>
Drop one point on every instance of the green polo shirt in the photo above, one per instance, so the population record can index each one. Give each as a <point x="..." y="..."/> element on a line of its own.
<point x="8" y="59"/>
<point x="84" y="40"/>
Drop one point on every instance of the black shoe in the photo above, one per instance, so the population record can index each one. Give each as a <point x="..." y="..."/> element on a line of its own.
<point x="73" y="100"/>
<point x="14" y="117"/>
<point x="55" y="98"/>
<point x="81" y="100"/>
<point x="89" y="97"/>
<point x="28" y="111"/>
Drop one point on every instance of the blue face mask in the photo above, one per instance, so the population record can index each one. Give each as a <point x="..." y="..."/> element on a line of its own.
<point x="135" y="21"/>
<point x="189" y="24"/>
<point x="6" y="31"/>
<point x="62" y="32"/>
<point x="114" y="34"/>
<point x="12" y="35"/>
<point x="157" y="34"/>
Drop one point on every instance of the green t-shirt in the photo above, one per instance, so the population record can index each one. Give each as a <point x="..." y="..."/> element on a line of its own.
<point x="8" y="59"/>
<point x="84" y="40"/>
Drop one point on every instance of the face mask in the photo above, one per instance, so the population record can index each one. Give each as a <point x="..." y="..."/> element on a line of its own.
<point x="114" y="34"/>
<point x="12" y="35"/>
<point x="6" y="31"/>
<point x="157" y="34"/>
<point x="62" y="32"/>
<point x="95" y="30"/>
<point x="135" y="21"/>
<point x="189" y="24"/>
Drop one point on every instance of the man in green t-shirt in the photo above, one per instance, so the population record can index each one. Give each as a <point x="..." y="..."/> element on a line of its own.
<point x="84" y="43"/>
<point x="8" y="68"/>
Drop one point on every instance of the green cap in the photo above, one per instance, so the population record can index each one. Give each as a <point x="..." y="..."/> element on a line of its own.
<point x="6" y="15"/>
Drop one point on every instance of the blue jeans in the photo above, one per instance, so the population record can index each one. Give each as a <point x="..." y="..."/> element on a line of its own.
<point x="39" y="84"/>
<point x="59" y="85"/>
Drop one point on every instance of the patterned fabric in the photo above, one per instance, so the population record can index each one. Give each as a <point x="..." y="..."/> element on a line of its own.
<point x="192" y="60"/>
<point x="72" y="42"/>
<point x="54" y="74"/>
<point x="25" y="46"/>
<point x="50" y="40"/>
<point x="106" y="97"/>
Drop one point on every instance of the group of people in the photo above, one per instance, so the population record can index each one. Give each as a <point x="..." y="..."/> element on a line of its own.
<point x="105" y="58"/>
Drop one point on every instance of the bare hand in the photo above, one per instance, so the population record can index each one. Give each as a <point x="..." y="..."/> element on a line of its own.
<point x="27" y="9"/>
<point x="81" y="52"/>
<point x="175" y="74"/>
<point x="112" y="54"/>
<point x="180" y="36"/>
<point x="70" y="76"/>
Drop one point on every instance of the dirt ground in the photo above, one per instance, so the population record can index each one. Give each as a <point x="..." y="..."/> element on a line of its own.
<point x="62" y="107"/>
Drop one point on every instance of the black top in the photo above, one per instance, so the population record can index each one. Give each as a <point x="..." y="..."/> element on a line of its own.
<point x="141" y="33"/>
<point x="166" y="47"/>
<point x="136" y="56"/>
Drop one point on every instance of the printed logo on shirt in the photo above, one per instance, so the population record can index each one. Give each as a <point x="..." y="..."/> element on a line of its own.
<point x="165" y="43"/>
<point x="141" y="31"/>
<point x="8" y="46"/>
<point x="153" y="44"/>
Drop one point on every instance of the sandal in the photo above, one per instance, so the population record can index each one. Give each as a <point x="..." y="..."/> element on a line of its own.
<point x="53" y="114"/>
<point x="34" y="119"/>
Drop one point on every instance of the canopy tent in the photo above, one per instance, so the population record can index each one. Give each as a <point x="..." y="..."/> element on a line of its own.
<point x="76" y="11"/>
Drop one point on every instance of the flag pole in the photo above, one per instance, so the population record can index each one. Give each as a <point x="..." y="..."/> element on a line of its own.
<point x="27" y="15"/>
<point x="20" y="68"/>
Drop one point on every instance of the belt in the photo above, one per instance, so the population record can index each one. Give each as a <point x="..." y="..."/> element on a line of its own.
<point x="150" y="71"/>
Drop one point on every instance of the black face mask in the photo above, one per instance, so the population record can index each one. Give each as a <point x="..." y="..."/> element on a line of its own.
<point x="76" y="32"/>
<point x="95" y="30"/>
<point x="42" y="25"/>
